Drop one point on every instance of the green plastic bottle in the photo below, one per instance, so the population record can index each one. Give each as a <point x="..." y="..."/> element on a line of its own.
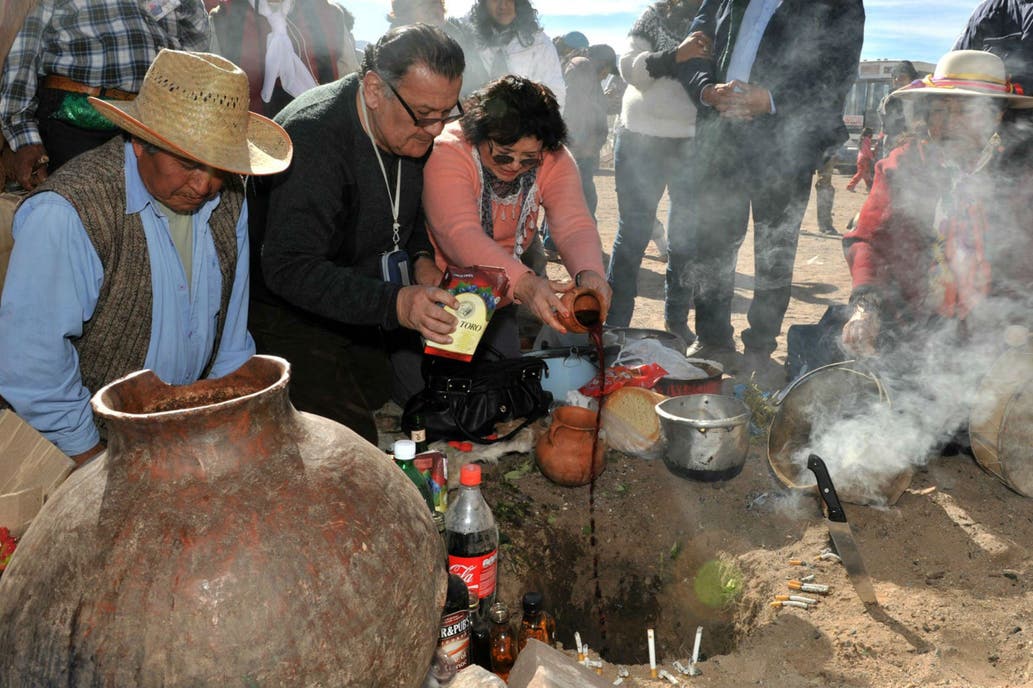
<point x="404" y="451"/>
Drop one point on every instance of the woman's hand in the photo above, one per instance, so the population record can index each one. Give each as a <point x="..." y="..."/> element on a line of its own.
<point x="540" y="296"/>
<point x="861" y="331"/>
<point x="426" y="272"/>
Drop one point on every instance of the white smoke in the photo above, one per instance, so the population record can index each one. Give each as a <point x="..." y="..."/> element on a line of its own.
<point x="872" y="442"/>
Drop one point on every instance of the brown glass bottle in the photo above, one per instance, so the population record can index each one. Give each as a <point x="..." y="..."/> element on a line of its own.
<point x="537" y="623"/>
<point x="503" y="643"/>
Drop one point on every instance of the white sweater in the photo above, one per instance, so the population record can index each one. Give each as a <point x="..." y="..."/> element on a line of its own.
<point x="538" y="62"/>
<point x="655" y="107"/>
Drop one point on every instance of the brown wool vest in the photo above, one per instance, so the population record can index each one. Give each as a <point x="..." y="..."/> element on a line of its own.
<point x="114" y="341"/>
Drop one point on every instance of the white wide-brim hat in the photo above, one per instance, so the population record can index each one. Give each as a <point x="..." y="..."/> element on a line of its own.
<point x="968" y="73"/>
<point x="196" y="105"/>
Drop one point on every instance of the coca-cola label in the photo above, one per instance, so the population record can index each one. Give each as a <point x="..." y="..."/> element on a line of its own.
<point x="455" y="637"/>
<point x="477" y="572"/>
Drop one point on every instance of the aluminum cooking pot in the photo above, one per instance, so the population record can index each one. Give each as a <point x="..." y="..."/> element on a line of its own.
<point x="707" y="436"/>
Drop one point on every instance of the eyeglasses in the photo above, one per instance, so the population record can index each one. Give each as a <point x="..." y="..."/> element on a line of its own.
<point x="423" y="122"/>
<point x="504" y="159"/>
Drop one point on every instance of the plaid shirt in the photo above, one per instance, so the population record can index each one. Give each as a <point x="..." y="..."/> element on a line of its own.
<point x="105" y="43"/>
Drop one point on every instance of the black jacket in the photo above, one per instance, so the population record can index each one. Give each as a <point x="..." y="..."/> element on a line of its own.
<point x="807" y="59"/>
<point x="1004" y="28"/>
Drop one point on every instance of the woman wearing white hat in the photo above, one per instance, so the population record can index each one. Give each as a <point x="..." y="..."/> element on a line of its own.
<point x="943" y="237"/>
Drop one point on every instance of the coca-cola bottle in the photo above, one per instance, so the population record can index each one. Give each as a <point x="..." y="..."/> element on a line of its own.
<point x="472" y="538"/>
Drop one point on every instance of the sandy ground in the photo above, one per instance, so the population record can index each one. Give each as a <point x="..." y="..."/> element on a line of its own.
<point x="950" y="561"/>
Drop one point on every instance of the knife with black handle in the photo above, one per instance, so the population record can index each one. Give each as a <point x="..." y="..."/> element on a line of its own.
<point x="842" y="536"/>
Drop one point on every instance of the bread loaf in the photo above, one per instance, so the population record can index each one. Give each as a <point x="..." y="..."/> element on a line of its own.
<point x="630" y="423"/>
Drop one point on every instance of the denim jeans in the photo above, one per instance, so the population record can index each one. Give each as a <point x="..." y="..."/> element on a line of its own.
<point x="644" y="166"/>
<point x="740" y="176"/>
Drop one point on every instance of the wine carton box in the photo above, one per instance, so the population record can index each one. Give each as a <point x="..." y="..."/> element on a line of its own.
<point x="31" y="468"/>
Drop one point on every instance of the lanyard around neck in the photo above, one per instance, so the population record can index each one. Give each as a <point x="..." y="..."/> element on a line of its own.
<point x="395" y="237"/>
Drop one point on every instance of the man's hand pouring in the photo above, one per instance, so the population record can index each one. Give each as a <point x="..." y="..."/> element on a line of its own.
<point x="420" y="309"/>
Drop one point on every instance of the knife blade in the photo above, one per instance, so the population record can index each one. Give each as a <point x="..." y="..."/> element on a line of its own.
<point x="842" y="535"/>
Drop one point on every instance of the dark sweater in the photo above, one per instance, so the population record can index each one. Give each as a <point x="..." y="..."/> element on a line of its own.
<point x="321" y="226"/>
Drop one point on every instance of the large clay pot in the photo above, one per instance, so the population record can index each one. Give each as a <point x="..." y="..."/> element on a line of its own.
<point x="224" y="539"/>
<point x="564" y="453"/>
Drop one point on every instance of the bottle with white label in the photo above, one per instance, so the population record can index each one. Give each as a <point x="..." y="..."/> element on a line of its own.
<point x="472" y="538"/>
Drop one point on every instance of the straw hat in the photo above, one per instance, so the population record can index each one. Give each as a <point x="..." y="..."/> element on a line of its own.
<point x="969" y="73"/>
<point x="196" y="105"/>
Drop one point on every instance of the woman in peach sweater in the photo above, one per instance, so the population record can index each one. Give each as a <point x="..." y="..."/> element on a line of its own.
<point x="487" y="180"/>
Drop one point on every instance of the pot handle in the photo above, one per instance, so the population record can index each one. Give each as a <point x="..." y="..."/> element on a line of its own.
<point x="552" y="430"/>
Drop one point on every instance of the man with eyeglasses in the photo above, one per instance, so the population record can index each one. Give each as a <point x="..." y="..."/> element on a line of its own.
<point x="344" y="273"/>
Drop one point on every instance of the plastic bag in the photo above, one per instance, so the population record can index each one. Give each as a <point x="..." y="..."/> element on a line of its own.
<point x="637" y="352"/>
<point x="621" y="376"/>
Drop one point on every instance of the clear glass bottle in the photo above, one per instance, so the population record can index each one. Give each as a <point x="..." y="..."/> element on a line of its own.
<point x="404" y="451"/>
<point x="536" y="623"/>
<point x="502" y="642"/>
<point x="472" y="538"/>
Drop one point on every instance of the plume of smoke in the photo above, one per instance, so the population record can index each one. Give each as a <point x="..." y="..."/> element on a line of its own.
<point x="871" y="443"/>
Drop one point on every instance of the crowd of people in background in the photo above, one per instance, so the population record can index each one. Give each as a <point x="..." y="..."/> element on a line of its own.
<point x="469" y="140"/>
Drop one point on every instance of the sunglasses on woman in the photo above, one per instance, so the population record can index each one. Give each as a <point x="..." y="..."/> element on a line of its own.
<point x="505" y="159"/>
<point x="424" y="122"/>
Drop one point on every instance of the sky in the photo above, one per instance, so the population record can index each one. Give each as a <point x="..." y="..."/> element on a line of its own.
<point x="894" y="29"/>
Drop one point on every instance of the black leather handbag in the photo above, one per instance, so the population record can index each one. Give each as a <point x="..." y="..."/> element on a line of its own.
<point x="464" y="401"/>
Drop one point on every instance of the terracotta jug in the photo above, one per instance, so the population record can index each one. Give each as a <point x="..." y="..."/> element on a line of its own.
<point x="585" y="310"/>
<point x="224" y="539"/>
<point x="564" y="453"/>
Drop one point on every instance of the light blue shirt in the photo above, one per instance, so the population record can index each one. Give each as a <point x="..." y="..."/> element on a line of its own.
<point x="53" y="282"/>
<point x="747" y="42"/>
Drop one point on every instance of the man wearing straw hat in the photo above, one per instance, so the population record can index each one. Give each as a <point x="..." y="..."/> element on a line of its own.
<point x="942" y="242"/>
<point x="135" y="254"/>
<point x="348" y="268"/>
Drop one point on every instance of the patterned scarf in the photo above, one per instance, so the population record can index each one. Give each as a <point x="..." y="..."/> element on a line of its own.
<point x="959" y="277"/>
<point x="662" y="30"/>
<point x="522" y="192"/>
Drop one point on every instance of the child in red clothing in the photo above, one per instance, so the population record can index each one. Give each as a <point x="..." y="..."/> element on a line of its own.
<point x="865" y="161"/>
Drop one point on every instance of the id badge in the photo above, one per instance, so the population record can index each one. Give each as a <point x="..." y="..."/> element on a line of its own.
<point x="394" y="267"/>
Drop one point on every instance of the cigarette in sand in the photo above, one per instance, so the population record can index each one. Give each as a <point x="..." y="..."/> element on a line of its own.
<point x="580" y="647"/>
<point x="807" y="579"/>
<point x="652" y="652"/>
<point x="797" y="598"/>
<point x="622" y="671"/>
<point x="830" y="556"/>
<point x="594" y="663"/>
<point x="668" y="676"/>
<point x="790" y="603"/>
<point x="808" y="587"/>
<point x="584" y="654"/>
<point x="619" y="680"/>
<point x="797" y="562"/>
<point x="682" y="669"/>
<point x="695" y="645"/>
